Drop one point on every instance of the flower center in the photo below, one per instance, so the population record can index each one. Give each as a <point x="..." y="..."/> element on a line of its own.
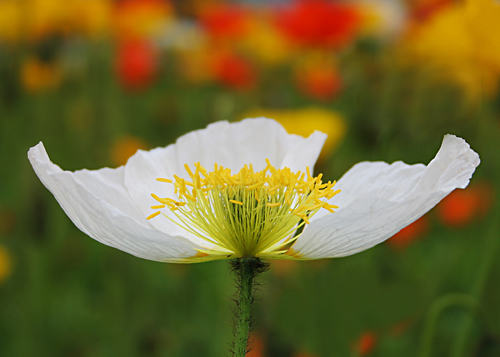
<point x="249" y="214"/>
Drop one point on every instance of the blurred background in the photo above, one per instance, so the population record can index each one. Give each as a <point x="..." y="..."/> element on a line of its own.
<point x="95" y="80"/>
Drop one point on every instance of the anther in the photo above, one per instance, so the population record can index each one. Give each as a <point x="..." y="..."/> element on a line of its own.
<point x="153" y="215"/>
<point x="158" y="206"/>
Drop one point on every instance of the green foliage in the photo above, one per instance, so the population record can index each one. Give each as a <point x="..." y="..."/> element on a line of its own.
<point x="71" y="296"/>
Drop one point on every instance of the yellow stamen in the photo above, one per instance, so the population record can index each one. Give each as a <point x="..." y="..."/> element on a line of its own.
<point x="305" y="218"/>
<point x="274" y="188"/>
<point x="163" y="180"/>
<point x="161" y="200"/>
<point x="158" y="206"/>
<point x="153" y="215"/>
<point x="254" y="186"/>
<point x="186" y="166"/>
<point x="189" y="197"/>
<point x="248" y="228"/>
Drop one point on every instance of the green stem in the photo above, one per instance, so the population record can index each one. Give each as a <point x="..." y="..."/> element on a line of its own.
<point x="470" y="301"/>
<point x="487" y="262"/>
<point x="245" y="270"/>
<point x="435" y="312"/>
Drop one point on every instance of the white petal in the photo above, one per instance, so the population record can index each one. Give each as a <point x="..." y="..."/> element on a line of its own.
<point x="378" y="200"/>
<point x="99" y="205"/>
<point x="231" y="145"/>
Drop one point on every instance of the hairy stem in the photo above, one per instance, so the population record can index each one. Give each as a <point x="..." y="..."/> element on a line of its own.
<point x="245" y="271"/>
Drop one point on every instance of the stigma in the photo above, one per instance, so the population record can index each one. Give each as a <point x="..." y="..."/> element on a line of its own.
<point x="248" y="214"/>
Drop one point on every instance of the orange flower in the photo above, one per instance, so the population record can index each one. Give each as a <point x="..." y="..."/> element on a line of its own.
<point x="5" y="264"/>
<point x="366" y="343"/>
<point x="257" y="347"/>
<point x="425" y="9"/>
<point x="141" y="18"/>
<point x="195" y="65"/>
<point x="319" y="23"/>
<point x="461" y="207"/>
<point x="136" y="64"/>
<point x="37" y="75"/>
<point x="317" y="76"/>
<point x="282" y="267"/>
<point x="409" y="234"/>
<point x="234" y="71"/>
<point x="320" y="83"/>
<point x="124" y="148"/>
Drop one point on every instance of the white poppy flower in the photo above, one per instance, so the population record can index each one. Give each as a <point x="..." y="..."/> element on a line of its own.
<point x="164" y="205"/>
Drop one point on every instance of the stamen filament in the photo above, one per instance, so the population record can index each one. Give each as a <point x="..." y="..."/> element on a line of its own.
<point x="249" y="214"/>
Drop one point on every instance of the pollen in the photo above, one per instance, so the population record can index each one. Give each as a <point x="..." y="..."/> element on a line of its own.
<point x="158" y="206"/>
<point x="248" y="214"/>
<point x="163" y="180"/>
<point x="157" y="213"/>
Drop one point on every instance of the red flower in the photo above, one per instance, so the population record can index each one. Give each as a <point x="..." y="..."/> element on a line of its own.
<point x="409" y="234"/>
<point x="366" y="343"/>
<point x="319" y="23"/>
<point x="225" y="22"/>
<point x="234" y="71"/>
<point x="136" y="64"/>
<point x="462" y="207"/>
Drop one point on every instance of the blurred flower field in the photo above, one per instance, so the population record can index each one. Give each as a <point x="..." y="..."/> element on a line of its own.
<point x="96" y="80"/>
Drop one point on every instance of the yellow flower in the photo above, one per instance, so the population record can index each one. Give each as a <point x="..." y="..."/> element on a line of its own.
<point x="38" y="18"/>
<point x="38" y="76"/>
<point x="10" y="20"/>
<point x="305" y="121"/>
<point x="461" y="43"/>
<point x="90" y="17"/>
<point x="265" y="42"/>
<point x="44" y="17"/>
<point x="5" y="264"/>
<point x="137" y="19"/>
